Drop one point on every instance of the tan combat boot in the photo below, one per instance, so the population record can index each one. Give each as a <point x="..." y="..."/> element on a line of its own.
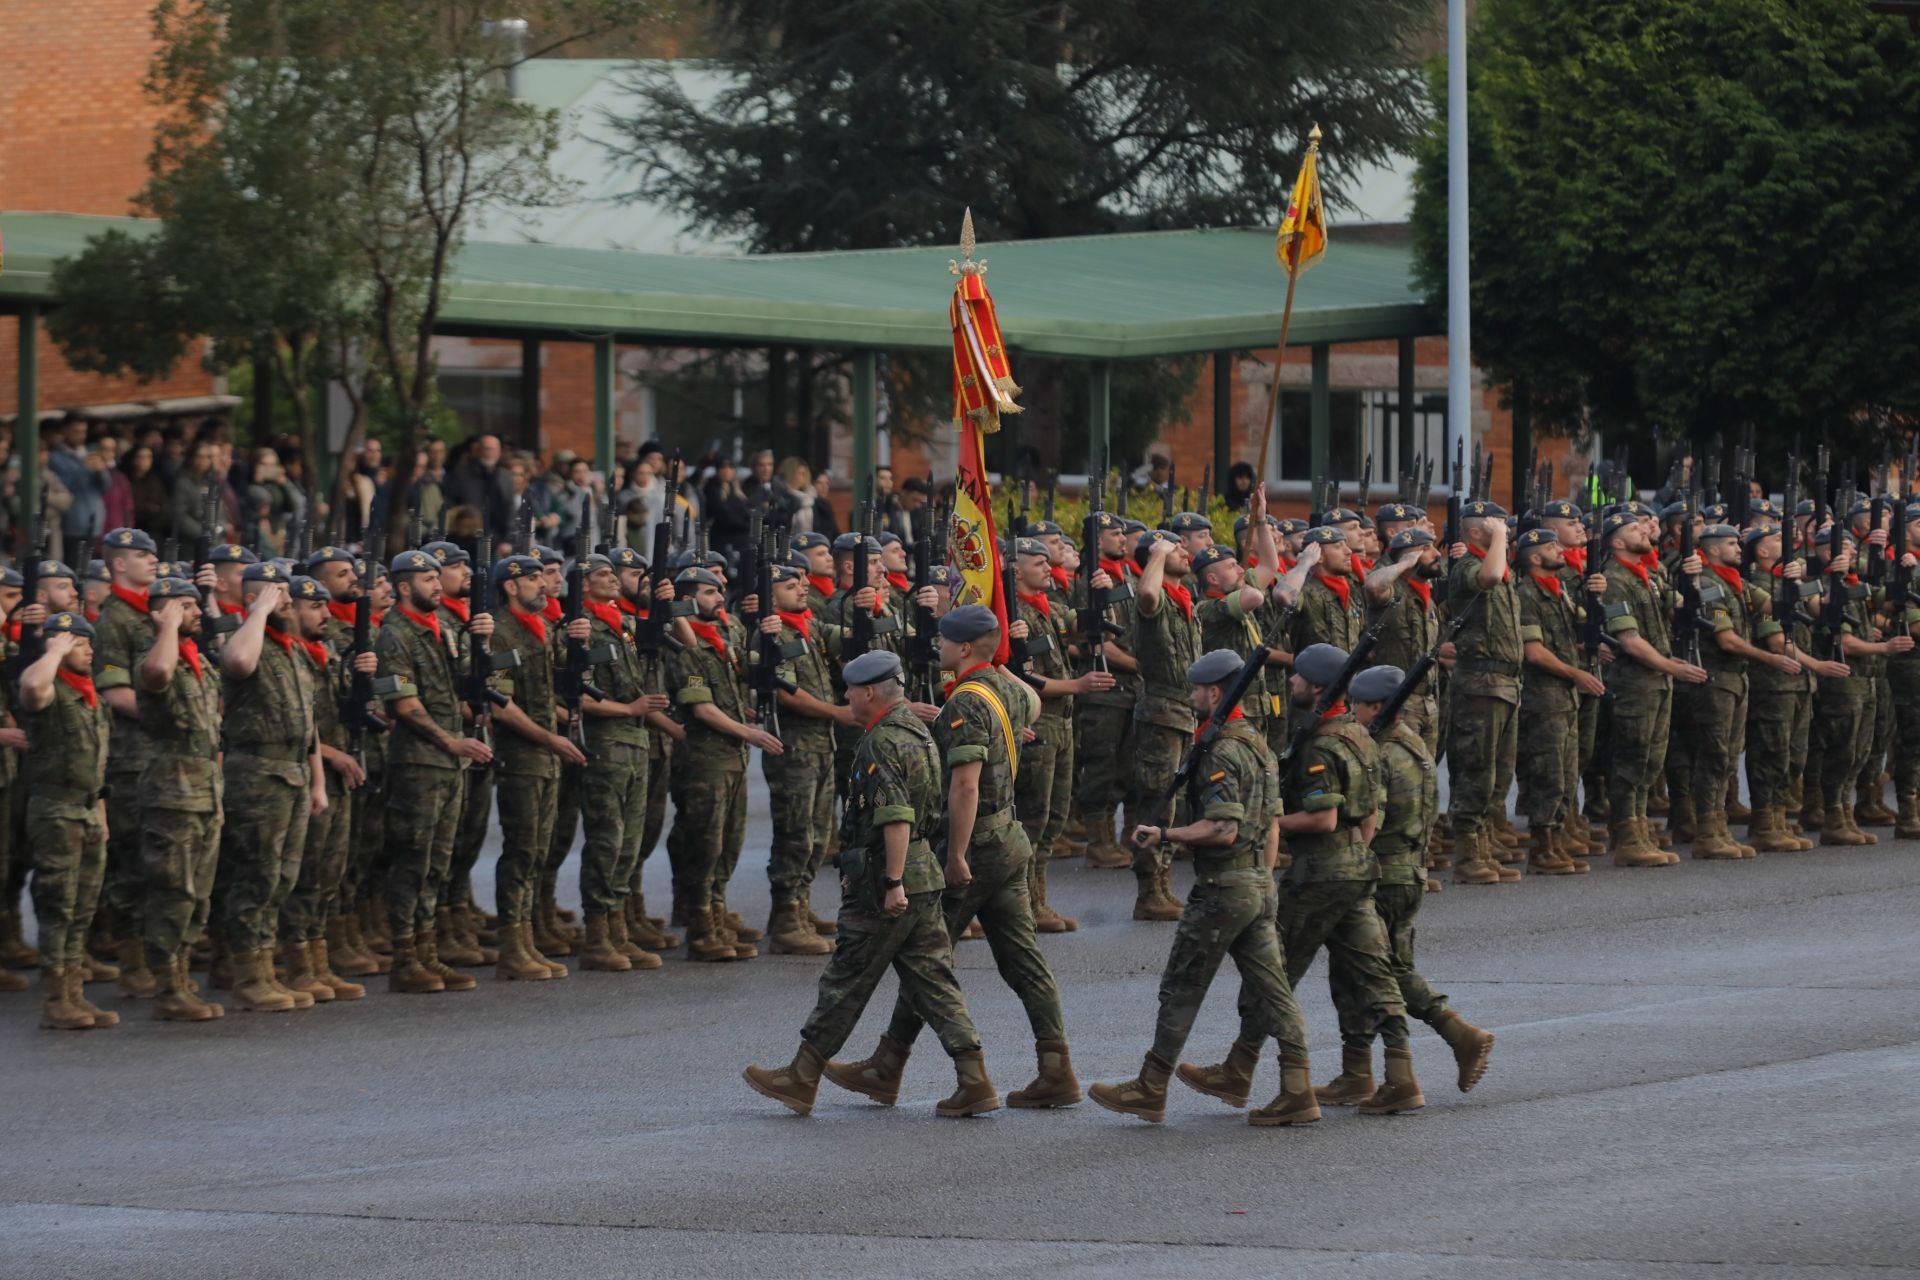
<point x="1045" y="918"/>
<point x="14" y="951"/>
<point x="554" y="968"/>
<point x="348" y="957"/>
<point x="1354" y="1084"/>
<point x="1682" y="820"/>
<point x="1572" y="849"/>
<point x="301" y="978"/>
<point x="322" y="956"/>
<point x="1711" y="841"/>
<point x="822" y="926"/>
<point x="598" y="952"/>
<point x="1144" y="1096"/>
<point x="877" y="1077"/>
<point x="1295" y="1103"/>
<point x="136" y="980"/>
<point x="703" y="943"/>
<point x="795" y="1085"/>
<point x="720" y="925"/>
<point x="1631" y="848"/>
<point x="1472" y="1047"/>
<point x="373" y="929"/>
<point x="1501" y="836"/>
<point x="77" y="991"/>
<point x="254" y="987"/>
<point x="643" y="932"/>
<point x="1149" y="903"/>
<point x="517" y="963"/>
<point x="1657" y="797"/>
<point x="740" y="928"/>
<point x="1104" y="852"/>
<point x="1055" y="1085"/>
<point x="451" y="941"/>
<point x="1870" y="809"/>
<point x="409" y="976"/>
<point x="1644" y="833"/>
<point x="637" y="956"/>
<point x="427" y="951"/>
<point x="973" y="1093"/>
<point x="549" y="936"/>
<point x="1400" y="1093"/>
<point x="175" y="1001"/>
<point x="1838" y="829"/>
<point x="790" y="933"/>
<point x="58" y="1012"/>
<point x="1469" y="864"/>
<point x="1736" y="812"/>
<point x="1230" y="1081"/>
<point x="1907" y="823"/>
<point x="1543" y="854"/>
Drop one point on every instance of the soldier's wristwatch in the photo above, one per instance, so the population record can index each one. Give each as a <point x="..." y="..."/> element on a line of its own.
<point x="891" y="882"/>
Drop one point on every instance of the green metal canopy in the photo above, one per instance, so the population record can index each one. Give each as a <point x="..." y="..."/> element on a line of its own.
<point x="1117" y="297"/>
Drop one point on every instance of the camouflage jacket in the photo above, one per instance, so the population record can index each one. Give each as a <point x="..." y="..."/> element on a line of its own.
<point x="1548" y="617"/>
<point x="270" y="713"/>
<point x="970" y="730"/>
<point x="1226" y="624"/>
<point x="121" y="635"/>
<point x="1409" y="631"/>
<point x="806" y="660"/>
<point x="532" y="641"/>
<point x="895" y="777"/>
<point x="417" y="661"/>
<point x="1322" y="618"/>
<point x="616" y="672"/>
<point x="183" y="722"/>
<point x="1047" y="648"/>
<point x="1637" y="605"/>
<point x="1334" y="769"/>
<point x="707" y="674"/>
<point x="1410" y="798"/>
<point x="1738" y="607"/>
<point x="1165" y="642"/>
<point x="1121" y="611"/>
<point x="1488" y="653"/>
<point x="66" y="760"/>
<point x="1235" y="781"/>
<point x="1800" y="633"/>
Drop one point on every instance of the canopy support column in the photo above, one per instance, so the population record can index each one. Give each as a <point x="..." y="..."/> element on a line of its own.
<point x="1410" y="449"/>
<point x="1322" y="412"/>
<point x="603" y="399"/>
<point x="1100" y="414"/>
<point x="1222" y="421"/>
<point x="530" y="394"/>
<point x="26" y="431"/>
<point x="866" y="374"/>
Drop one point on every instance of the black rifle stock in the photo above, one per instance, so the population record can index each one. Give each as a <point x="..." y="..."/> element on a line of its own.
<point x="1210" y="731"/>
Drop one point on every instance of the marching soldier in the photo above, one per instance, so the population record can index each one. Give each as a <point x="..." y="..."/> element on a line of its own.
<point x="1549" y="724"/>
<point x="1233" y="831"/>
<point x="889" y="906"/>
<point x="1166" y="640"/>
<point x="65" y="776"/>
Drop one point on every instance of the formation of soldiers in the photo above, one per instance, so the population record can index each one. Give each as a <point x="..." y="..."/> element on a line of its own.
<point x="280" y="773"/>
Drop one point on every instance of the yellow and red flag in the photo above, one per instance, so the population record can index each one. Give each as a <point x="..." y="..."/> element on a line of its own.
<point x="983" y="389"/>
<point x="1303" y="232"/>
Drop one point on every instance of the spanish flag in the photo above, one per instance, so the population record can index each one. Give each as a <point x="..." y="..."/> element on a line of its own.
<point x="1303" y="232"/>
<point x="983" y="389"/>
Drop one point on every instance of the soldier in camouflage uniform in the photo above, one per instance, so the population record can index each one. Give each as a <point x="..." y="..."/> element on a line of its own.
<point x="1045" y="781"/>
<point x="1565" y="521"/>
<point x="457" y="921"/>
<point x="1401" y="587"/>
<point x="1409" y="797"/>
<point x="636" y="590"/>
<point x="1329" y="611"/>
<point x="14" y="856"/>
<point x="800" y="778"/>
<point x="553" y="931"/>
<point x="1231" y="611"/>
<point x="274" y="784"/>
<point x="531" y="750"/>
<point x="613" y="789"/>
<point x="122" y="634"/>
<point x="179" y="698"/>
<point x="1484" y="690"/>
<point x="1549" y="725"/>
<point x="64" y="776"/>
<point x="362" y="892"/>
<point x="711" y="803"/>
<point x="1869" y="806"/>
<point x="1233" y="832"/>
<point x="890" y="915"/>
<point x="1843" y="709"/>
<point x="1166" y="640"/>
<point x="427" y="760"/>
<point x="1779" y="706"/>
<point x="1903" y="681"/>
<point x="1103" y="722"/>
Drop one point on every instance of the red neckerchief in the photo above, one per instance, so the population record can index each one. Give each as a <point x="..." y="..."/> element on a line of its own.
<point x="1853" y="579"/>
<point x="821" y="582"/>
<point x="1422" y="589"/>
<point x="946" y="690"/>
<point x="877" y="719"/>
<point x="1651" y="560"/>
<point x="341" y="612"/>
<point x="316" y="653"/>
<point x="1479" y="554"/>
<point x="191" y="652"/>
<point x="93" y="615"/>
<point x="553" y="611"/>
<point x="629" y="607"/>
<point x="1337" y="709"/>
<point x="1180" y="596"/>
<point x="425" y="621"/>
<point x="1235" y="714"/>
<point x="898" y="581"/>
<point x="1776" y="570"/>
<point x="1038" y="602"/>
<point x="1547" y="583"/>
<point x="1285" y="565"/>
<point x="1362" y="566"/>
<point x="1729" y="576"/>
<point x="82" y="685"/>
<point x="1637" y="567"/>
<point x="1118" y="570"/>
<point x="607" y="612"/>
<point x="461" y="609"/>
<point x="235" y="609"/>
<point x="1061" y="578"/>
<point x="801" y="622"/>
<point x="1341" y="586"/>
<point x="531" y="621"/>
<point x="13" y="631"/>
<point x="1576" y="559"/>
<point x="136" y="599"/>
<point x="709" y="632"/>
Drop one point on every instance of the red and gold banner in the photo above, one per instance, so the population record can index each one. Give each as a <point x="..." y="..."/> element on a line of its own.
<point x="972" y="542"/>
<point x="983" y="389"/>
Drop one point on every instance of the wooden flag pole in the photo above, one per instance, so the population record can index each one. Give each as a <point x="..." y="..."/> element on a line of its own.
<point x="1273" y="386"/>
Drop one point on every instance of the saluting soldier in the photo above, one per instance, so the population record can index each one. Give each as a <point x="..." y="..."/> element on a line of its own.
<point x="65" y="776"/>
<point x="1549" y="724"/>
<point x="1328" y="611"/>
<point x="890" y="917"/>
<point x="1401" y="586"/>
<point x="1229" y="615"/>
<point x="1166" y="640"/>
<point x="1234" y="810"/>
<point x="1484" y="691"/>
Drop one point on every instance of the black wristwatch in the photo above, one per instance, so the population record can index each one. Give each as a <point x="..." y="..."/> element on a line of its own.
<point x="891" y="882"/>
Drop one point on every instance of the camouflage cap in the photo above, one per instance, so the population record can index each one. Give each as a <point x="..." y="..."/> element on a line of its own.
<point x="967" y="623"/>
<point x="872" y="667"/>
<point x="309" y="590"/>
<point x="1190" y="522"/>
<point x="1211" y="556"/>
<point x="329" y="555"/>
<point x="172" y="589"/>
<point x="125" y="539"/>
<point x="1324" y="535"/>
<point x="1376" y="684"/>
<point x="413" y="562"/>
<point x="1030" y="547"/>
<point x="447" y="552"/>
<point x="1715" y="531"/>
<point x="66" y="623"/>
<point x="514" y="568"/>
<point x="1319" y="664"/>
<point x="1216" y="666"/>
<point x="54" y="569"/>
<point x="231" y="553"/>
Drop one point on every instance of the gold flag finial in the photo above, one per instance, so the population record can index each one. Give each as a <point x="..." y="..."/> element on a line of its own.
<point x="966" y="266"/>
<point x="1313" y="139"/>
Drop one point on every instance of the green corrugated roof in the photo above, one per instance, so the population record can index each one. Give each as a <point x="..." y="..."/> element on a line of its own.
<point x="1094" y="297"/>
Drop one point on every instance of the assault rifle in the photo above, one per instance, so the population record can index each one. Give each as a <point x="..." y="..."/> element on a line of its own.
<point x="354" y="712"/>
<point x="479" y="694"/>
<point x="1786" y="594"/>
<point x="1356" y="663"/>
<point x="763" y="672"/>
<point x="213" y="620"/>
<point x="575" y="680"/>
<point x="923" y="655"/>
<point x="860" y="621"/>
<point x="1686" y="614"/>
<point x="1094" y="624"/>
<point x="1417" y="673"/>
<point x="32" y="642"/>
<point x="1166" y="497"/>
<point x="1017" y="655"/>
<point x="1210" y="732"/>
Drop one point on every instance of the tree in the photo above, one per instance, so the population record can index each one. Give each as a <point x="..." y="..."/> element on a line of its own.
<point x="1689" y="215"/>
<point x="871" y="125"/>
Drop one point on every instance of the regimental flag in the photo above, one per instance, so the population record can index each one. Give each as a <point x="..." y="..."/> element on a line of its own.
<point x="983" y="389"/>
<point x="1303" y="232"/>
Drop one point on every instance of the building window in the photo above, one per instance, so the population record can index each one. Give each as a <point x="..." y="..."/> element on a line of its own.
<point x="1363" y="422"/>
<point x="487" y="401"/>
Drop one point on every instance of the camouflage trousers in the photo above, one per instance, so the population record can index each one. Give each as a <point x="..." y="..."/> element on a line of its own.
<point x="916" y="946"/>
<point x="1156" y="758"/>
<point x="1102" y="738"/>
<point x="1596" y="753"/>
<point x="613" y="809"/>
<point x="1339" y="915"/>
<point x="1779" y="726"/>
<point x="1903" y="682"/>
<point x="1639" y="721"/>
<point x="261" y="843"/>
<point x="997" y="896"/>
<point x="1709" y="721"/>
<point x="367" y="858"/>
<point x="527" y="802"/>
<point x="709" y="827"/>
<point x="13" y="843"/>
<point x="1880" y="735"/>
<point x="1548" y="760"/>
<point x="69" y="850"/>
<point x="323" y="865"/>
<point x="1043" y="792"/>
<point x="1842" y="738"/>
<point x="180" y="852"/>
<point x="476" y="811"/>
<point x="420" y="833"/>
<point x="1398" y="905"/>
<point x="566" y="824"/>
<point x="124" y="890"/>
<point x="1482" y="739"/>
<point x="800" y="793"/>
<point x="659" y="786"/>
<point x="1229" y="913"/>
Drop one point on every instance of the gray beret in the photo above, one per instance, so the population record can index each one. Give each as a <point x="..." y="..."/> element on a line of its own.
<point x="1324" y="535"/>
<point x="1030" y="547"/>
<point x="447" y="552"/>
<point x="1215" y="667"/>
<point x="1042" y="529"/>
<point x="1211" y="556"/>
<point x="413" y="562"/>
<point x="173" y="589"/>
<point x="1339" y="515"/>
<point x="232" y="553"/>
<point x="624" y="557"/>
<point x="1481" y="509"/>
<point x="305" y="588"/>
<point x="1190" y="522"/>
<point x="267" y="571"/>
<point x="887" y="537"/>
<point x="548" y="556"/>
<point x="872" y="667"/>
<point x="786" y="572"/>
<point x="1559" y="509"/>
<point x="54" y="569"/>
<point x="1713" y="531"/>
<point x="846" y="542"/>
<point x="594" y="561"/>
<point x="968" y="622"/>
<point x="129" y="540"/>
<point x="1375" y="684"/>
<point x="807" y="541"/>
<point x="67" y="624"/>
<point x="10" y="577"/>
<point x="697" y="578"/>
<point x="1410" y="538"/>
<point x="177" y="569"/>
<point x="328" y="555"/>
<point x="1319" y="663"/>
<point x="515" y="568"/>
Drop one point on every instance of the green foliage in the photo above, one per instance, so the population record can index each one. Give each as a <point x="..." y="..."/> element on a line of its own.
<point x="1070" y="511"/>
<point x="1688" y="215"/>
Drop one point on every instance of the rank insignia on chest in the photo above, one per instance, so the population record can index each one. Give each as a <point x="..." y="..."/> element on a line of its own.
<point x="955" y="724"/>
<point x="1316" y="768"/>
<point x="1215" y="777"/>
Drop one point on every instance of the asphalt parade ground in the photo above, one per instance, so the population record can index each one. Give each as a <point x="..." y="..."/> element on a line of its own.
<point x="1703" y="1070"/>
